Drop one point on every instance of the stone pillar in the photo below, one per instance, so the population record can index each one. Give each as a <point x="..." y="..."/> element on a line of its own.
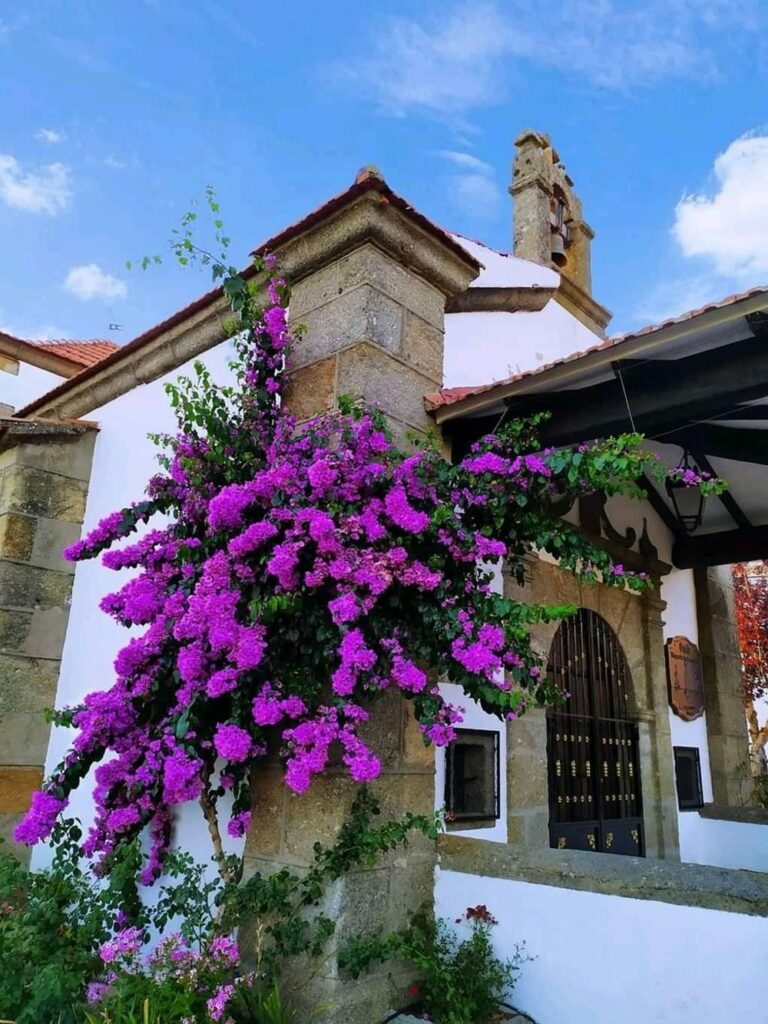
<point x="531" y="191"/>
<point x="527" y="768"/>
<point x="660" y="820"/>
<point x="43" y="487"/>
<point x="369" y="287"/>
<point x="723" y="692"/>
<point x="370" y="280"/>
<point x="539" y="184"/>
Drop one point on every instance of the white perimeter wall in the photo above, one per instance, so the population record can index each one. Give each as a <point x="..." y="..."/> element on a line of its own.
<point x="124" y="459"/>
<point x="611" y="960"/>
<point x="726" y="844"/>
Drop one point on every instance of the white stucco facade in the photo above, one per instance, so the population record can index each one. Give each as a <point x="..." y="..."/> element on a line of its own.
<point x="123" y="462"/>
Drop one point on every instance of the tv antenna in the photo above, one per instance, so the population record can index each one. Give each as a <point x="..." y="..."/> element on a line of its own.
<point x="112" y="325"/>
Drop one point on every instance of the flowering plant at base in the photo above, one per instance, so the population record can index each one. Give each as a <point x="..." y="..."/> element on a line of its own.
<point x="192" y="985"/>
<point x="300" y="572"/>
<point x="460" y="979"/>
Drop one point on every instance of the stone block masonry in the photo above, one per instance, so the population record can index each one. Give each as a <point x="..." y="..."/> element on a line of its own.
<point x="723" y="687"/>
<point x="43" y="489"/>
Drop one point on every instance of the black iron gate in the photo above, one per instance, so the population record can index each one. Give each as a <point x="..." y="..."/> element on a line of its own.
<point x="592" y="743"/>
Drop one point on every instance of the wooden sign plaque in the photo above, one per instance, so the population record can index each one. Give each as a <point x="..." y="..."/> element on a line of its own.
<point x="685" y="678"/>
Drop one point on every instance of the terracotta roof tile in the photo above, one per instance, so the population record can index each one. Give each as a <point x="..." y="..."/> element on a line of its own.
<point x="84" y="353"/>
<point x="448" y="396"/>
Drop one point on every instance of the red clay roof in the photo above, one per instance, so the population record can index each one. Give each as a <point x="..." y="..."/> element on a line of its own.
<point x="448" y="396"/>
<point x="84" y="353"/>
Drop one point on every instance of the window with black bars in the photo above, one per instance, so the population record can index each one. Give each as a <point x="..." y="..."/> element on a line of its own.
<point x="472" y="776"/>
<point x="688" y="776"/>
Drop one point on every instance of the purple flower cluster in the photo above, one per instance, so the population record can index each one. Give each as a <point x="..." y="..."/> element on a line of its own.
<point x="172" y="961"/>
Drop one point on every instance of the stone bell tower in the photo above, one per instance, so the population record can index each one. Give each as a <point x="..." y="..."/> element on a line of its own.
<point x="550" y="228"/>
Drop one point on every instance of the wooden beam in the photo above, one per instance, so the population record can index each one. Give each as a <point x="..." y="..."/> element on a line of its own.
<point x="738" y="443"/>
<point x="757" y="413"/>
<point x="726" y="499"/>
<point x="724" y="548"/>
<point x="661" y="508"/>
<point x="463" y="433"/>
<point x="662" y="395"/>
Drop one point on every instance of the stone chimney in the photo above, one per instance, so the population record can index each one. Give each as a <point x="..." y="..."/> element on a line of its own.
<point x="550" y="228"/>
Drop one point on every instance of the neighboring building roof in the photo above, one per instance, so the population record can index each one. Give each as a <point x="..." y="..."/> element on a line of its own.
<point x="84" y="353"/>
<point x="65" y="358"/>
<point x="453" y="395"/>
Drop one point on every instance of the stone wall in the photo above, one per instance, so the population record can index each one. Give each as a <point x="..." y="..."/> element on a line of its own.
<point x="370" y="901"/>
<point x="371" y="330"/>
<point x="43" y="487"/>
<point x="637" y="623"/>
<point x="723" y="693"/>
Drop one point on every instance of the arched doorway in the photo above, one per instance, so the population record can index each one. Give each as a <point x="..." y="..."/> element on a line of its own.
<point x="592" y="743"/>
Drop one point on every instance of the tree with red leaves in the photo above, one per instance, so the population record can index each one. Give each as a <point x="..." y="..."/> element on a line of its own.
<point x="750" y="581"/>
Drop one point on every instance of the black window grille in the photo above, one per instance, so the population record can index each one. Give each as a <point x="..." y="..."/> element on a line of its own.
<point x="688" y="776"/>
<point x="472" y="776"/>
<point x="593" y="742"/>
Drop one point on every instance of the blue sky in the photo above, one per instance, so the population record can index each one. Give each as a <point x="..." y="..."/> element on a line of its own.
<point x="115" y="115"/>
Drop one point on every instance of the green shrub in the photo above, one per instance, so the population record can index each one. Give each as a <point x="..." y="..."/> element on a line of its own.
<point x="51" y="926"/>
<point x="460" y="980"/>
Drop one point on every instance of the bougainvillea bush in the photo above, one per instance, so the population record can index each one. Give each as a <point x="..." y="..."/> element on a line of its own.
<point x="290" y="574"/>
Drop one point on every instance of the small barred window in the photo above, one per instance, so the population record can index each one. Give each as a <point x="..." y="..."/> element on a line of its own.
<point x="688" y="775"/>
<point x="472" y="776"/>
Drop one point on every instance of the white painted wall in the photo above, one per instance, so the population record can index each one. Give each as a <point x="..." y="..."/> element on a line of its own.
<point x="680" y="619"/>
<point x="485" y="347"/>
<point x="608" y="959"/>
<point x="726" y="844"/>
<point x="18" y="389"/>
<point x="124" y="459"/>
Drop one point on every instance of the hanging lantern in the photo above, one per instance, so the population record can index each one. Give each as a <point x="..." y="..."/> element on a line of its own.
<point x="687" y="499"/>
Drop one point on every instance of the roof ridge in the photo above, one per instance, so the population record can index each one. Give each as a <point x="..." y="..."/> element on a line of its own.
<point x="43" y="342"/>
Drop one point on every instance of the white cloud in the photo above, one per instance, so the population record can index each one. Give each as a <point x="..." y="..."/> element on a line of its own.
<point x="729" y="227"/>
<point x="49" y="135"/>
<point x="46" y="190"/>
<point x="679" y="295"/>
<point x="474" y="189"/>
<point x="91" y="282"/>
<point x="458" y="59"/>
<point x="477" y="194"/>
<point x="466" y="160"/>
<point x="445" y="65"/>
